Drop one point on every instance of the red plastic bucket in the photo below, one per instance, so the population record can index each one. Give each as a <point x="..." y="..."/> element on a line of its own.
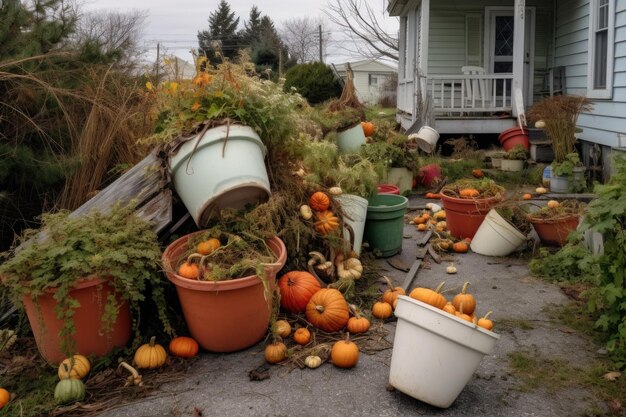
<point x="429" y="173"/>
<point x="465" y="215"/>
<point x="513" y="137"/>
<point x="388" y="189"/>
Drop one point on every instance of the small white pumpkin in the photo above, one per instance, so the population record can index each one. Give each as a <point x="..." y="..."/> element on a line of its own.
<point x="451" y="269"/>
<point x="313" y="361"/>
<point x="540" y="124"/>
<point x="335" y="191"/>
<point x="306" y="212"/>
<point x="541" y="190"/>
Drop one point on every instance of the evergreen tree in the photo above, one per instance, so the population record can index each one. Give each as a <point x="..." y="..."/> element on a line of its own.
<point x="252" y="28"/>
<point x="222" y="31"/>
<point x="266" y="50"/>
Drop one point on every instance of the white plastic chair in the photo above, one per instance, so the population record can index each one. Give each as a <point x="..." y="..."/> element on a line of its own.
<point x="475" y="89"/>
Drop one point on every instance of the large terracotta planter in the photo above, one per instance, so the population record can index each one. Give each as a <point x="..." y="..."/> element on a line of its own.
<point x="224" y="316"/>
<point x="554" y="232"/>
<point x="90" y="337"/>
<point x="513" y="137"/>
<point x="465" y="215"/>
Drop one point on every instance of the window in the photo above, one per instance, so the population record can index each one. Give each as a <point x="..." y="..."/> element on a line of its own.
<point x="600" y="65"/>
<point x="376" y="80"/>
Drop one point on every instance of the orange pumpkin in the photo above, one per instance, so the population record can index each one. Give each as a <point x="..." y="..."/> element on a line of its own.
<point x="189" y="270"/>
<point x="421" y="227"/>
<point x="433" y="195"/>
<point x="319" y="201"/>
<point x="478" y="173"/>
<point x="391" y="293"/>
<point x="420" y="219"/>
<point x="469" y="193"/>
<point x="302" y="336"/>
<point x="466" y="300"/>
<point x="440" y="215"/>
<point x="485" y="322"/>
<point x="328" y="310"/>
<point x="368" y="128"/>
<point x="183" y="347"/>
<point x="5" y="396"/>
<point x="296" y="289"/>
<point x="382" y="310"/>
<point x="527" y="196"/>
<point x="275" y="352"/>
<point x="430" y="297"/>
<point x="345" y="353"/>
<point x="358" y="324"/>
<point x="553" y="204"/>
<point x="464" y="316"/>
<point x="449" y="308"/>
<point x="282" y="328"/>
<point x="460" y="247"/>
<point x="326" y="222"/>
<point x="208" y="246"/>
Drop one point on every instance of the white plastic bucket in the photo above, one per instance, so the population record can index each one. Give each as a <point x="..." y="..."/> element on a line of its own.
<point x="496" y="236"/>
<point x="427" y="138"/>
<point x="402" y="178"/>
<point x="350" y="140"/>
<point x="206" y="181"/>
<point x="512" y="165"/>
<point x="435" y="353"/>
<point x="355" y="209"/>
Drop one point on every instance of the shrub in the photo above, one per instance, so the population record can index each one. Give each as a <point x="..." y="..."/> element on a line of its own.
<point x="314" y="81"/>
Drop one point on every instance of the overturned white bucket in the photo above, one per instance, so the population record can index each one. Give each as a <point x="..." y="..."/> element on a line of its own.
<point x="427" y="138"/>
<point x="355" y="210"/>
<point x="435" y="353"/>
<point x="496" y="236"/>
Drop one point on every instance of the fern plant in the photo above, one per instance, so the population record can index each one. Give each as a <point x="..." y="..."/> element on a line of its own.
<point x="117" y="245"/>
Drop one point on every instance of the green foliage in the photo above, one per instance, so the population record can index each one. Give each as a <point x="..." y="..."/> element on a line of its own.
<point x="118" y="245"/>
<point x="333" y="121"/>
<point x="223" y="29"/>
<point x="314" y="81"/>
<point x="517" y="153"/>
<point x="390" y="150"/>
<point x="568" y="264"/>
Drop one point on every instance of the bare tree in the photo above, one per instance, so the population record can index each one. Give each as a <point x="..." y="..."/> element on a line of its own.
<point x="301" y="36"/>
<point x="114" y="34"/>
<point x="360" y="23"/>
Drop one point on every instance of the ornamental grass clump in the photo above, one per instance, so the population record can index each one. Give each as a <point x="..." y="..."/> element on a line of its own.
<point x="117" y="245"/>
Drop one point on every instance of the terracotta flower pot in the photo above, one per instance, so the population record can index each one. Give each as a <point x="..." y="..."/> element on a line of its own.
<point x="554" y="232"/>
<point x="512" y="137"/>
<point x="90" y="337"/>
<point x="229" y="315"/>
<point x="465" y="215"/>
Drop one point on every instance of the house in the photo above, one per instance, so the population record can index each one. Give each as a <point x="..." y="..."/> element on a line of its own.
<point x="474" y="66"/>
<point x="369" y="77"/>
<point x="176" y="68"/>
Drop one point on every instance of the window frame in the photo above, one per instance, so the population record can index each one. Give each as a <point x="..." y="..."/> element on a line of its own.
<point x="607" y="92"/>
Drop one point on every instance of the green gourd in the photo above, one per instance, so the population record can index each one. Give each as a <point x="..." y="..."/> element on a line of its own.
<point x="69" y="390"/>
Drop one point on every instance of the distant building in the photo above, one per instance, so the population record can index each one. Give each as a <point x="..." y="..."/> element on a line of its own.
<point x="176" y="68"/>
<point x="369" y="77"/>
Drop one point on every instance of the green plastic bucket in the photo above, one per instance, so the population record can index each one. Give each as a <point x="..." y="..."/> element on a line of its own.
<point x="384" y="225"/>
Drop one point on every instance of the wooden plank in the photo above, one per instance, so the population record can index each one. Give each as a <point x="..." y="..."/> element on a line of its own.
<point x="158" y="210"/>
<point x="434" y="254"/>
<point x="424" y="238"/>
<point x="411" y="274"/>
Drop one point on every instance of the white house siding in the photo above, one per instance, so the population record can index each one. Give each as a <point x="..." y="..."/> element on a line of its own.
<point x="606" y="123"/>
<point x="447" y="35"/>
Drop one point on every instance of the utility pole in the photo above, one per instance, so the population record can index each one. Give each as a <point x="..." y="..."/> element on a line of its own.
<point x="280" y="62"/>
<point x="157" y="60"/>
<point x="320" y="31"/>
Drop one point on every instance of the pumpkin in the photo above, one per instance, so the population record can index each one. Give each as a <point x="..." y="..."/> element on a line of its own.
<point x="69" y="390"/>
<point x="540" y="124"/>
<point x="208" y="246"/>
<point x="282" y="328"/>
<point x="430" y="297"/>
<point x="440" y="215"/>
<point x="420" y="219"/>
<point x="541" y="190"/>
<point x="460" y="247"/>
<point x="150" y="355"/>
<point x="478" y="173"/>
<point x="553" y="204"/>
<point x="358" y="324"/>
<point x="441" y="225"/>
<point x="421" y="227"/>
<point x="313" y="361"/>
<point x="319" y="201"/>
<point x="485" y="322"/>
<point x="275" y="352"/>
<point x="76" y="367"/>
<point x="302" y="336"/>
<point x="527" y="196"/>
<point x="467" y="300"/>
<point x="328" y="310"/>
<point x="382" y="310"/>
<point x="391" y="293"/>
<point x="449" y="308"/>
<point x="433" y="195"/>
<point x="183" y="347"/>
<point x="189" y="270"/>
<point x="335" y="190"/>
<point x="305" y="212"/>
<point x="469" y="193"/>
<point x="326" y="222"/>
<point x="451" y="269"/>
<point x="463" y="316"/>
<point x="345" y="353"/>
<point x="296" y="289"/>
<point x="4" y="397"/>
<point x="368" y="128"/>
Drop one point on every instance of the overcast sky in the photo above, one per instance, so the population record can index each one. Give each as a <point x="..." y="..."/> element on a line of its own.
<point x="175" y="23"/>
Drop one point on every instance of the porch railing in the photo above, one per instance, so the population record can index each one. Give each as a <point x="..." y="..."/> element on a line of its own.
<point x="488" y="93"/>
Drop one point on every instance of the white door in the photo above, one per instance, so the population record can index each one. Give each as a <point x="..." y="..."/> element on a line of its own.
<point x="499" y="46"/>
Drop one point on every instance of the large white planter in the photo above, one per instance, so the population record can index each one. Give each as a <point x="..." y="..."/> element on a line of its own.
<point x="427" y="138"/>
<point x="208" y="181"/>
<point x="351" y="139"/>
<point x="512" y="165"/>
<point x="434" y="353"/>
<point x="496" y="236"/>
<point x="355" y="210"/>
<point x="402" y="178"/>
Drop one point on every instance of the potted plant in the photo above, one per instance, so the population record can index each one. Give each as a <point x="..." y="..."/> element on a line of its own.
<point x="496" y="158"/>
<point x="558" y="116"/>
<point x="225" y="283"/>
<point x="568" y="175"/>
<point x="215" y="131"/>
<point x="514" y="159"/>
<point x="503" y="231"/>
<point x="79" y="278"/>
<point x="467" y="202"/>
<point x="554" y="222"/>
<point x="341" y="123"/>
